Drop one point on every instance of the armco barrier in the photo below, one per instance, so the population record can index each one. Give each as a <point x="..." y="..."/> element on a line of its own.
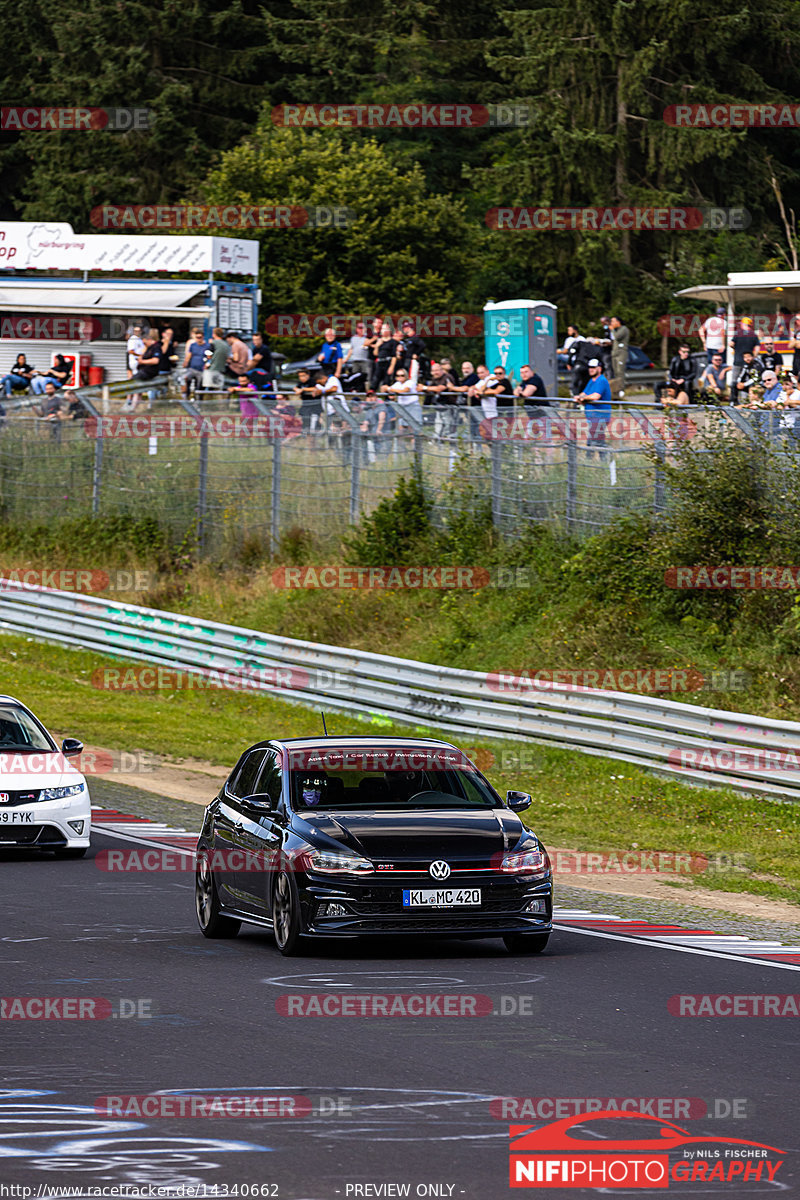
<point x="636" y="729"/>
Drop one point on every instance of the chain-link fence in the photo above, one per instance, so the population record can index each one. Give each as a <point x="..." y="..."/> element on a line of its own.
<point x="221" y="479"/>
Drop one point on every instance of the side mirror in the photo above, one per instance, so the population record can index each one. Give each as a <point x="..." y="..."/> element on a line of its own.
<point x="70" y="747"/>
<point x="258" y="802"/>
<point x="518" y="801"/>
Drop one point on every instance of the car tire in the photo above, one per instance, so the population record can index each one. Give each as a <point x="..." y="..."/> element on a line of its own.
<point x="206" y="903"/>
<point x="286" y="922"/>
<point x="71" y="852"/>
<point x="526" y="943"/>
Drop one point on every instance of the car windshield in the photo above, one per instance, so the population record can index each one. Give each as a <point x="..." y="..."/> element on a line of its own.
<point x="387" y="780"/>
<point x="19" y="732"/>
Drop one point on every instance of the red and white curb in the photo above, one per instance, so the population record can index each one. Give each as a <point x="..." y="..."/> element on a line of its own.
<point x="142" y="830"/>
<point x="677" y="937"/>
<point x="609" y="926"/>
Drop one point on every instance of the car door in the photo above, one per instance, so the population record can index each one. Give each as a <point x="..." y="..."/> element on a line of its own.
<point x="228" y="825"/>
<point x="259" y="838"/>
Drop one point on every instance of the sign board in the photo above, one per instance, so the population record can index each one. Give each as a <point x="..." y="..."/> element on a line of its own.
<point x="52" y="245"/>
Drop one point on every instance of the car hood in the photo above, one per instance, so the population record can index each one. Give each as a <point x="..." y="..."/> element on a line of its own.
<point x="41" y="769"/>
<point x="422" y="834"/>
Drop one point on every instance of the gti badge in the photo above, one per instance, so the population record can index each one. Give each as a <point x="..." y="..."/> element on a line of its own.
<point x="439" y="869"/>
<point x="4" y="797"/>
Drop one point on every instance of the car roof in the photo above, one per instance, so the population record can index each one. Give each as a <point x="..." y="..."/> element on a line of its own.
<point x="358" y="742"/>
<point x="11" y="700"/>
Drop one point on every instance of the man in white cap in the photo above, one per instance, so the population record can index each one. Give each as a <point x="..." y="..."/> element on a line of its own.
<point x="596" y="399"/>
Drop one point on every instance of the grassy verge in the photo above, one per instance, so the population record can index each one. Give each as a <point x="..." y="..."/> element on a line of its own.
<point x="578" y="801"/>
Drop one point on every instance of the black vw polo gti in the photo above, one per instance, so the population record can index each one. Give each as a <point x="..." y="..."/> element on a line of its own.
<point x="344" y="836"/>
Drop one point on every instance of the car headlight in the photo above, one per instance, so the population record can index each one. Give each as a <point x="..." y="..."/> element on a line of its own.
<point x="61" y="793"/>
<point x="336" y="864"/>
<point x="525" y="862"/>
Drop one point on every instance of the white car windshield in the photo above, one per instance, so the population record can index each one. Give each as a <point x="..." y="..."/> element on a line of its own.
<point x="19" y="732"/>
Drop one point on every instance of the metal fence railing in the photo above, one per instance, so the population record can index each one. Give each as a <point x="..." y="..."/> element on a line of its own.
<point x="751" y="754"/>
<point x="221" y="478"/>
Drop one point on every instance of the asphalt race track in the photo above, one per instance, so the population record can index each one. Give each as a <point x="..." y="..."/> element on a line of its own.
<point x="403" y="1101"/>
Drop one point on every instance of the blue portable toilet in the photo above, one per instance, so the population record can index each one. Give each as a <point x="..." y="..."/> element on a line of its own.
<point x="522" y="331"/>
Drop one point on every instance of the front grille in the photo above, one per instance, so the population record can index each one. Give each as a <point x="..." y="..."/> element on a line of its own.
<point x="21" y="835"/>
<point x="28" y="835"/>
<point x="448" y="922"/>
<point x="17" y="798"/>
<point x="381" y="908"/>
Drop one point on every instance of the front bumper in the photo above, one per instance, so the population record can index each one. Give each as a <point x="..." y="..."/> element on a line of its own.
<point x="377" y="908"/>
<point x="45" y="825"/>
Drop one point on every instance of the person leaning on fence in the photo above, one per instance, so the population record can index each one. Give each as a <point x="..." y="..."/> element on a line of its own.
<point x="244" y="391"/>
<point x="405" y="394"/>
<point x="285" y="412"/>
<point x="50" y="406"/>
<point x="310" y="400"/>
<point x="500" y="387"/>
<point x="531" y="389"/>
<point x="790" y="403"/>
<point x="376" y="424"/>
<point x="596" y="401"/>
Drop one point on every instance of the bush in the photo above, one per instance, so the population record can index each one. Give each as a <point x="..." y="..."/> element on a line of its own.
<point x="396" y="532"/>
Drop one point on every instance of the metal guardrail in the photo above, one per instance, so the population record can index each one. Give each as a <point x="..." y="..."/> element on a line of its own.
<point x="636" y="729"/>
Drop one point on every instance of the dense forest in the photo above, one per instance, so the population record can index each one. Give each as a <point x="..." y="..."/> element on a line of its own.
<point x="597" y="80"/>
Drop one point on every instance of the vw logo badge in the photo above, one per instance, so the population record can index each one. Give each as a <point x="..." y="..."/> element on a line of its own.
<point x="439" y="869"/>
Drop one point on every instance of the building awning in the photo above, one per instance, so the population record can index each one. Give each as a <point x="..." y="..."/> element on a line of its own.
<point x="773" y="289"/>
<point x="156" y="299"/>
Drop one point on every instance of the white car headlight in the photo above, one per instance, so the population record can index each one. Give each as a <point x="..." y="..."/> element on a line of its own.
<point x="61" y="793"/>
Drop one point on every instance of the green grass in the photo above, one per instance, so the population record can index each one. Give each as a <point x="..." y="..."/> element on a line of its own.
<point x="579" y="801"/>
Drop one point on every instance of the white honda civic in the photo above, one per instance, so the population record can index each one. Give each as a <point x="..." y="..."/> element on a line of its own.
<point x="44" y="799"/>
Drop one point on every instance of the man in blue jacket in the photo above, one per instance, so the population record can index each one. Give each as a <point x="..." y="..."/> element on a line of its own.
<point x="596" y="399"/>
